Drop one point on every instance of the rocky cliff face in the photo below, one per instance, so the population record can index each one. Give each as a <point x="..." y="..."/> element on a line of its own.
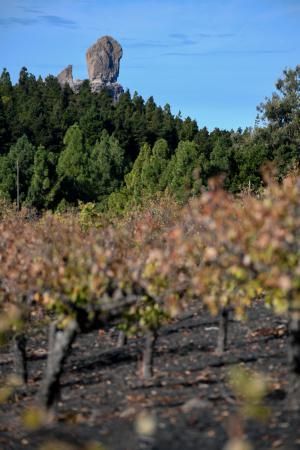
<point x="66" y="77"/>
<point x="103" y="62"/>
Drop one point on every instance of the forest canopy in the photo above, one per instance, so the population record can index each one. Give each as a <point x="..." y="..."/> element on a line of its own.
<point x="83" y="147"/>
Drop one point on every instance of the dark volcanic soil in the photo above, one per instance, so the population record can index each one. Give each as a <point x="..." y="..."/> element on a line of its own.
<point x="189" y="397"/>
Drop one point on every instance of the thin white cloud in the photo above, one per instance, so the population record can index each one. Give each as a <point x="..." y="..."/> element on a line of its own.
<point x="228" y="52"/>
<point x="56" y="21"/>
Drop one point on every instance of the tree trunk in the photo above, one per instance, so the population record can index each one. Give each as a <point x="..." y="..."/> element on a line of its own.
<point x="122" y="339"/>
<point x="148" y="353"/>
<point x="293" y="397"/>
<point x="18" y="186"/>
<point x="223" y="330"/>
<point x="20" y="357"/>
<point x="60" y="342"/>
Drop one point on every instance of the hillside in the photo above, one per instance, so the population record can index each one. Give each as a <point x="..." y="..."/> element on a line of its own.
<point x="84" y="145"/>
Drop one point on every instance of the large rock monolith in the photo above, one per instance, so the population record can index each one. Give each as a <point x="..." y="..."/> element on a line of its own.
<point x="103" y="60"/>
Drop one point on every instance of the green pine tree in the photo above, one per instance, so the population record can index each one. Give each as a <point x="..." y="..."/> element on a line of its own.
<point x="106" y="166"/>
<point x="154" y="168"/>
<point x="22" y="153"/>
<point x="40" y="182"/>
<point x="73" y="167"/>
<point x="182" y="175"/>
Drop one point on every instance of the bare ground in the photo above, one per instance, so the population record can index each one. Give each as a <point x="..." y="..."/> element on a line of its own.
<point x="189" y="398"/>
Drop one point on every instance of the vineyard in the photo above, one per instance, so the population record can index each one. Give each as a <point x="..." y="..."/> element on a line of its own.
<point x="171" y="327"/>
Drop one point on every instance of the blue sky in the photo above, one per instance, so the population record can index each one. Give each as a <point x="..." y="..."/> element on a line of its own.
<point x="214" y="60"/>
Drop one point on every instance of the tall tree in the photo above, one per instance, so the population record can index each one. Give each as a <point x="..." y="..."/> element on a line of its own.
<point x="281" y="115"/>
<point x="154" y="167"/>
<point x="188" y="129"/>
<point x="3" y="129"/>
<point x="6" y="87"/>
<point x="73" y="167"/>
<point x="134" y="181"/>
<point x="183" y="172"/>
<point x="21" y="154"/>
<point x="40" y="184"/>
<point x="106" y="166"/>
